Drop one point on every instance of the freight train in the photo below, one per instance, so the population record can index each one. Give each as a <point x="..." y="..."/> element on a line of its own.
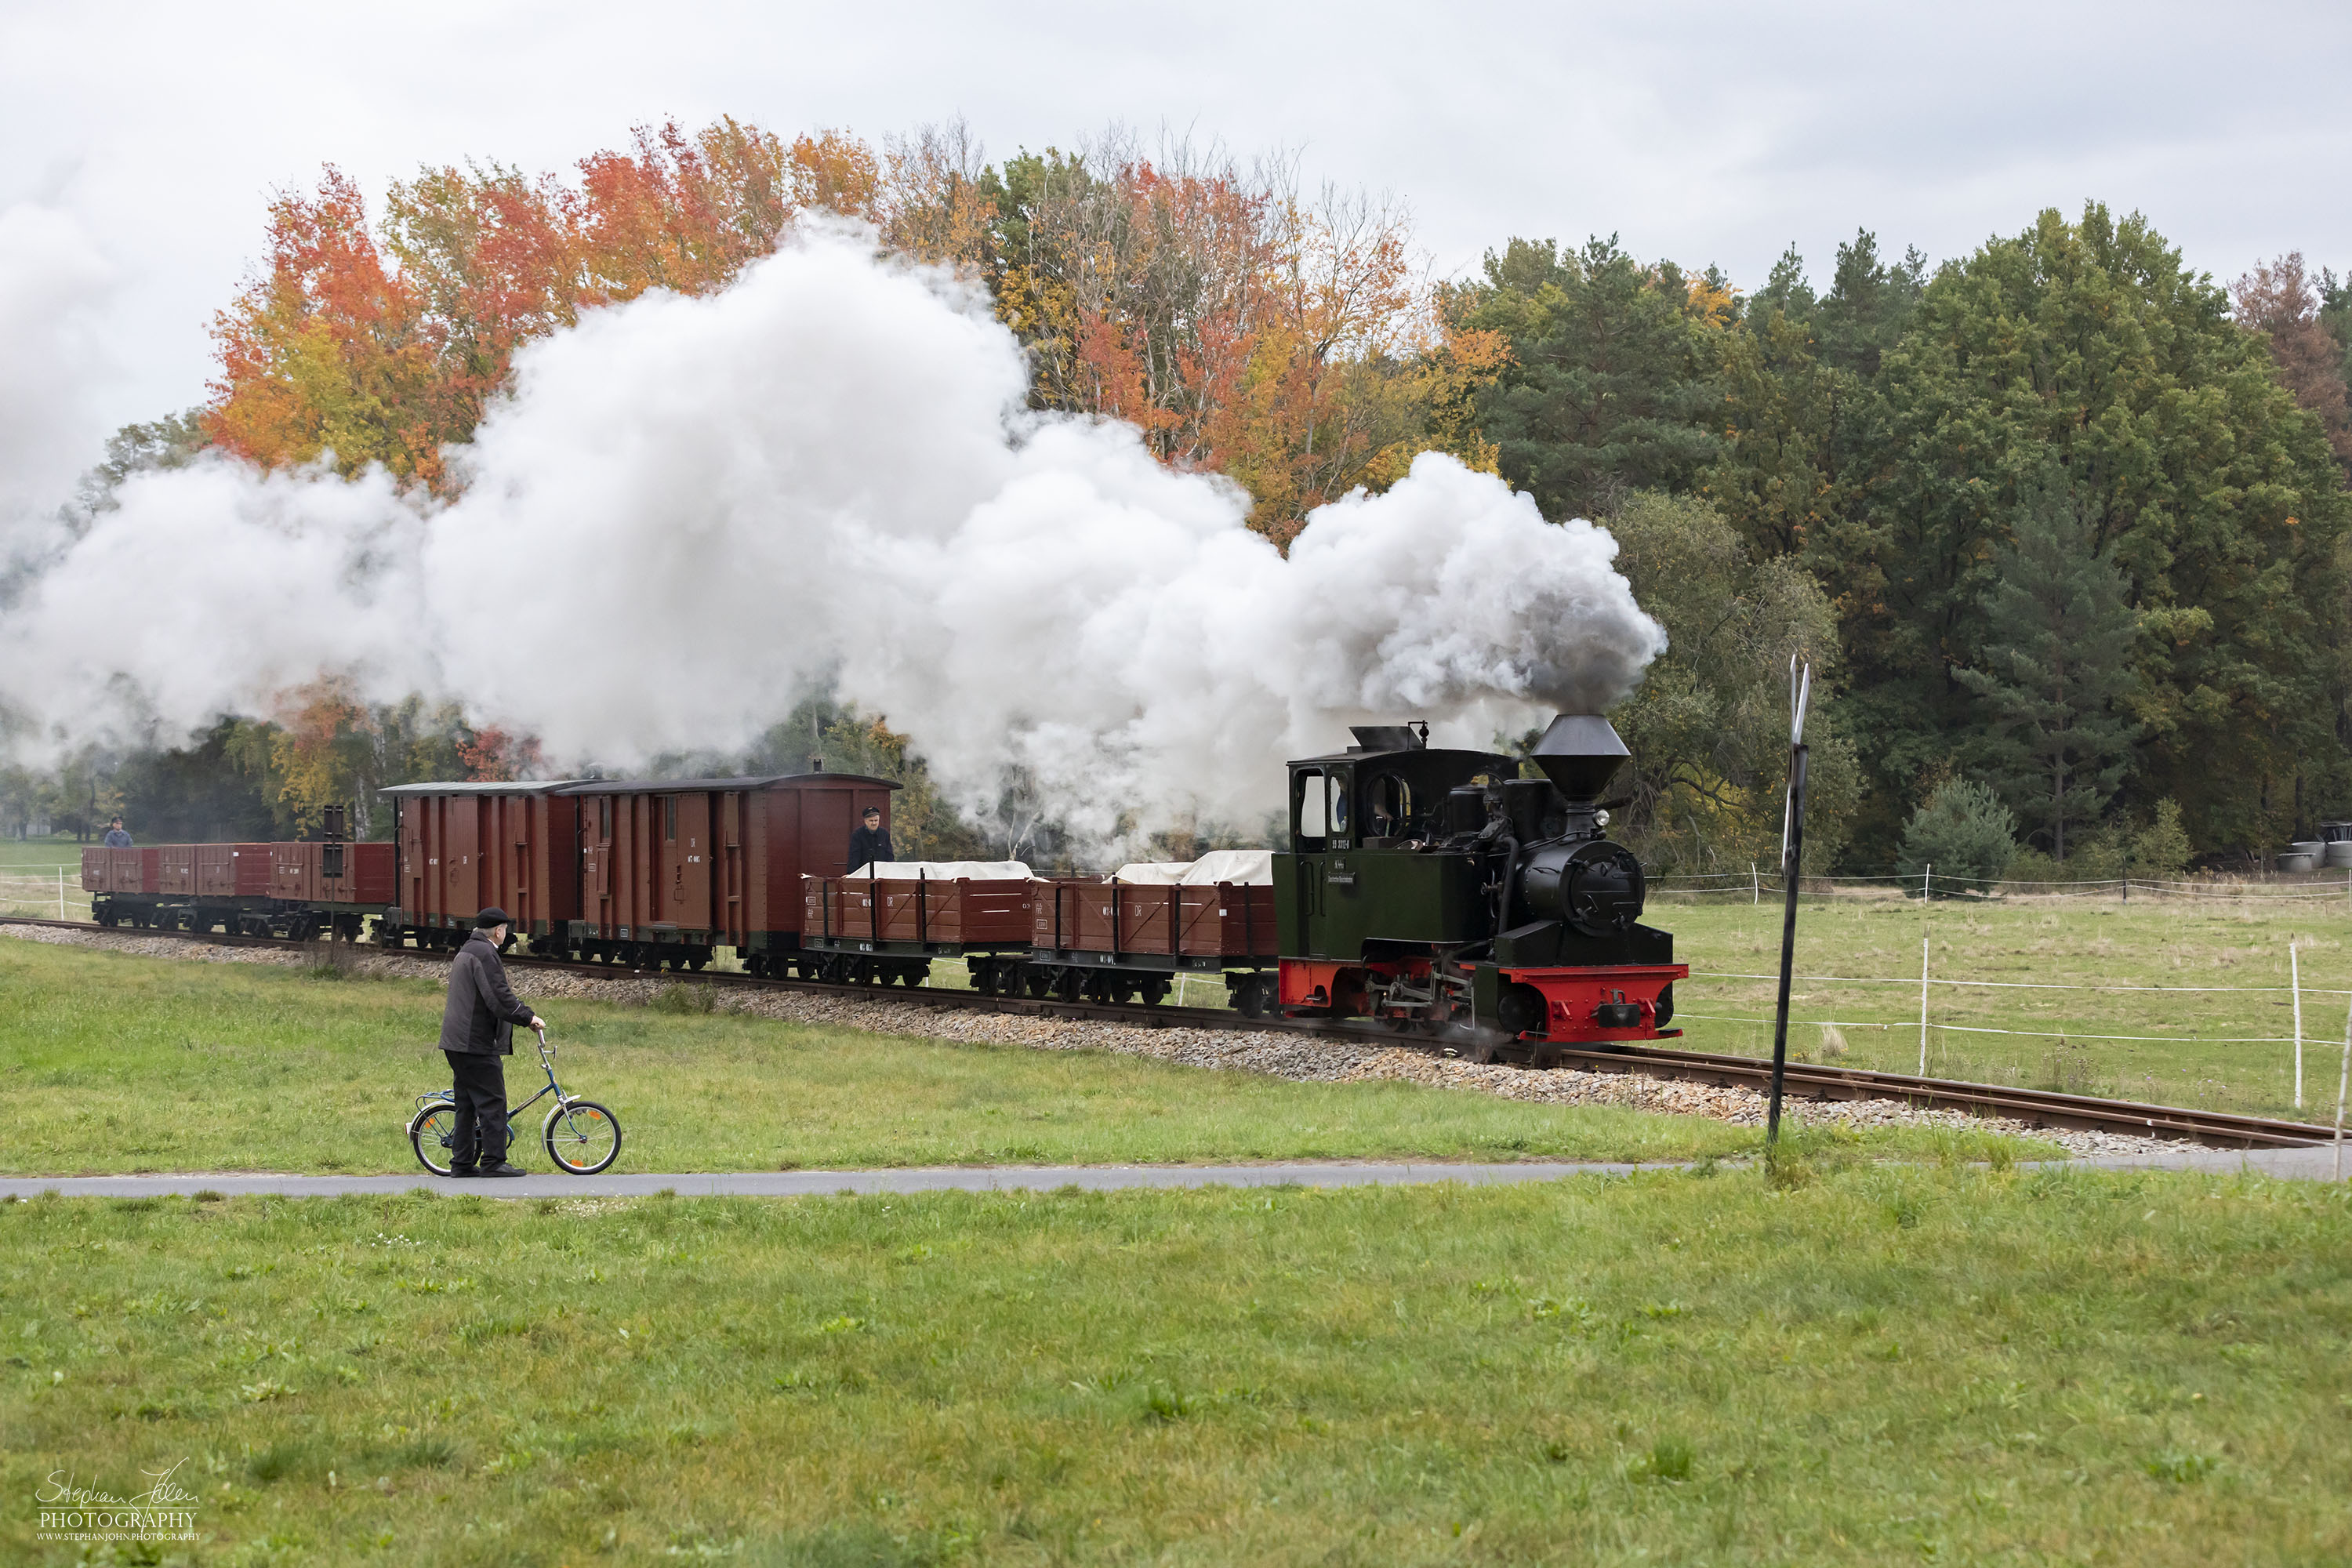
<point x="1434" y="890"/>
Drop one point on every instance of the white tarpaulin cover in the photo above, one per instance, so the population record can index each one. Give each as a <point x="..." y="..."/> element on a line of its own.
<point x="1244" y="867"/>
<point x="1153" y="873"/>
<point x="949" y="871"/>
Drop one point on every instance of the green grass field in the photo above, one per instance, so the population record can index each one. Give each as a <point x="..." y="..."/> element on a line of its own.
<point x="1878" y="1365"/>
<point x="2172" y="942"/>
<point x="113" y="1063"/>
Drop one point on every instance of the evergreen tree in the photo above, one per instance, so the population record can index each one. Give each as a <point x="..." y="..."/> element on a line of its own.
<point x="1964" y="835"/>
<point x="2057" y="665"/>
<point x="1613" y="386"/>
<point x="2088" y="344"/>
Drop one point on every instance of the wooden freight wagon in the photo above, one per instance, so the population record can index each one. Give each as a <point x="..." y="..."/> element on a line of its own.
<point x="1112" y="941"/>
<point x="888" y="928"/>
<point x="123" y="884"/>
<point x="672" y="869"/>
<point x="463" y="848"/>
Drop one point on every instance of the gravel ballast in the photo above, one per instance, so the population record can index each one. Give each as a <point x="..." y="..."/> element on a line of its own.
<point x="1276" y="1053"/>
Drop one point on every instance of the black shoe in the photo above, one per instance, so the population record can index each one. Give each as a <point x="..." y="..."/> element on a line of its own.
<point x="502" y="1169"/>
<point x="462" y="1171"/>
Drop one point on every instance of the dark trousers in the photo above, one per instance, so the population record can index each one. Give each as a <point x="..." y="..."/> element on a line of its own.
<point x="481" y="1086"/>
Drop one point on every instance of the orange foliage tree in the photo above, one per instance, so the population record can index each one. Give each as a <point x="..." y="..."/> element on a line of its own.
<point x="1244" y="328"/>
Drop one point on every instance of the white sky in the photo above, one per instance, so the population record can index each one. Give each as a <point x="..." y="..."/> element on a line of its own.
<point x="1702" y="133"/>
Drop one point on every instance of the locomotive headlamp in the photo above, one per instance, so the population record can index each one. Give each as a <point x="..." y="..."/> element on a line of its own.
<point x="1599" y="819"/>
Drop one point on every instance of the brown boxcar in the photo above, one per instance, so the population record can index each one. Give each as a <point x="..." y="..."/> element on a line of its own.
<point x="462" y="848"/>
<point x="672" y="868"/>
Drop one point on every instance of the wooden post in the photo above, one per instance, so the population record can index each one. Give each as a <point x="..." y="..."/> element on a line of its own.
<point x="2295" y="983"/>
<point x="1923" y="1007"/>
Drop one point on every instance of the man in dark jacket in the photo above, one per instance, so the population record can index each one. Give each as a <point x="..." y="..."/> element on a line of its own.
<point x="870" y="843"/>
<point x="477" y="1029"/>
<point x="115" y="837"/>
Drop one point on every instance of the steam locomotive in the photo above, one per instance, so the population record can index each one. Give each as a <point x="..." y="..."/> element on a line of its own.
<point x="1439" y="892"/>
<point x="1433" y="891"/>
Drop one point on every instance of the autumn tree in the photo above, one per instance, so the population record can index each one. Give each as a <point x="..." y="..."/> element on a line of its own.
<point x="2279" y="300"/>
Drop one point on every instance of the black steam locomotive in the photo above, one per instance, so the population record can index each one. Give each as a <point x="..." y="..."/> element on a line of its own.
<point x="1440" y="892"/>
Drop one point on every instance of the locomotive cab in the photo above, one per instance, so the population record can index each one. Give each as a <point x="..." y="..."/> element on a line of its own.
<point x="1442" y="893"/>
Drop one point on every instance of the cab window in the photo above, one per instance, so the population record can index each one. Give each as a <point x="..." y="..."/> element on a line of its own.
<point x="1309" y="808"/>
<point x="1388" y="808"/>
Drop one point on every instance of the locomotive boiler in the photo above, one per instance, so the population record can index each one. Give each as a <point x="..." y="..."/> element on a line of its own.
<point x="1439" y="892"/>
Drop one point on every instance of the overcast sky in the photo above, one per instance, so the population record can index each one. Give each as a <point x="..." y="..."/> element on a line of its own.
<point x="1708" y="134"/>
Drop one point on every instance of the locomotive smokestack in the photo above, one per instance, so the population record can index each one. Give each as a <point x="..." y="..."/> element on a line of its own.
<point x="1580" y="753"/>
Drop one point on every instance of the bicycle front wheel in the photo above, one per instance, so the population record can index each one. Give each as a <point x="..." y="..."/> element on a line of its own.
<point x="581" y="1137"/>
<point x="432" y="1133"/>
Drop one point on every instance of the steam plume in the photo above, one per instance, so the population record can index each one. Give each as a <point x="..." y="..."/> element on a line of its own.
<point x="692" y="510"/>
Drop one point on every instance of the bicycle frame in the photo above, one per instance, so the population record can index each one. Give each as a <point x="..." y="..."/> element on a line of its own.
<point x="546" y="1062"/>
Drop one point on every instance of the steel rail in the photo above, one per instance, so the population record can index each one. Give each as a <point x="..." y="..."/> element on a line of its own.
<point x="2031" y="1106"/>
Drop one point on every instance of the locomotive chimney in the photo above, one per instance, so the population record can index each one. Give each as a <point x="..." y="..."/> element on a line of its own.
<point x="1580" y="753"/>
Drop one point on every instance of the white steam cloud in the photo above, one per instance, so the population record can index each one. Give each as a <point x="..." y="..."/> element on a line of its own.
<point x="692" y="510"/>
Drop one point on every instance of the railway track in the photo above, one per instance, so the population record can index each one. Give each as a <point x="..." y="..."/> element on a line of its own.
<point x="1802" y="1080"/>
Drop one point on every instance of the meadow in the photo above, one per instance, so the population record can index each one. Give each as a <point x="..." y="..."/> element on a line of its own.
<point x="1856" y="1365"/>
<point x="2207" y="976"/>
<point x="110" y="1062"/>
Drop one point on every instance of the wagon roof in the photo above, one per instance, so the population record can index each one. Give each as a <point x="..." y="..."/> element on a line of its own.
<point x="672" y="786"/>
<point x="633" y="786"/>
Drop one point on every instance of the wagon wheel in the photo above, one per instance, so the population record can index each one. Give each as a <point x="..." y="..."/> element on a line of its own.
<point x="1155" y="991"/>
<point x="1037" y="983"/>
<point x="1068" y="985"/>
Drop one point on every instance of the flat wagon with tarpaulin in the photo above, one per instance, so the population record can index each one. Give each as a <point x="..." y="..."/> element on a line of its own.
<point x="884" y="925"/>
<point x="1138" y="931"/>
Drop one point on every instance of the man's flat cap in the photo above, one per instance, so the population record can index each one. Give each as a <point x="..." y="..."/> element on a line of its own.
<point x="493" y="916"/>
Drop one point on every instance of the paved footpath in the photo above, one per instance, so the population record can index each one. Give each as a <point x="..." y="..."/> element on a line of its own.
<point x="2310" y="1164"/>
<point x="809" y="1183"/>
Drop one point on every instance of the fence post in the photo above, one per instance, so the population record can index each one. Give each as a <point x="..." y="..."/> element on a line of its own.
<point x="2294" y="980"/>
<point x="1754" y="886"/>
<point x="2342" y="1079"/>
<point x="1927" y="883"/>
<point x="1923" y="1007"/>
<point x="62" y="892"/>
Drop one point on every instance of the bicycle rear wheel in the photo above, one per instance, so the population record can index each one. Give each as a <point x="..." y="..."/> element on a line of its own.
<point x="431" y="1132"/>
<point x="582" y="1137"/>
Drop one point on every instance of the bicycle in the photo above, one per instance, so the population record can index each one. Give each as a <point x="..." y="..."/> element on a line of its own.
<point x="580" y="1136"/>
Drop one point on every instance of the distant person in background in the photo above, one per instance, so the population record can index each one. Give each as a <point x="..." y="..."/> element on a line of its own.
<point x="115" y="837"/>
<point x="871" y="842"/>
<point x="477" y="1029"/>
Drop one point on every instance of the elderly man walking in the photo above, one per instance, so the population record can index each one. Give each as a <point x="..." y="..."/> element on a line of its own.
<point x="477" y="1029"/>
